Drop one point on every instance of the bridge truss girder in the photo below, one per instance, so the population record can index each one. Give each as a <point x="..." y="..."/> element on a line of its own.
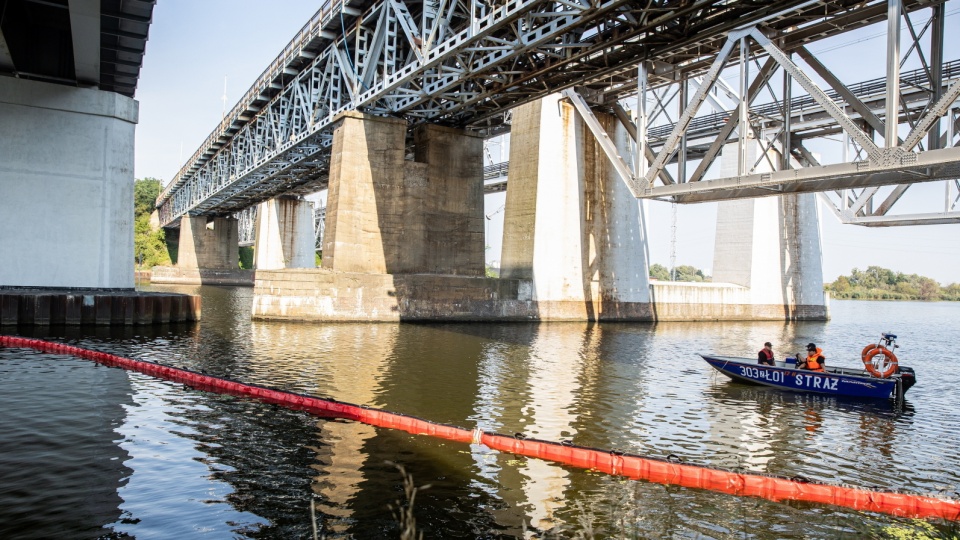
<point x="247" y="219"/>
<point x="463" y="64"/>
<point x="851" y="188"/>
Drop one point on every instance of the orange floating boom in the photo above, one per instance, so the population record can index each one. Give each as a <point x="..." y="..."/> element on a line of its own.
<point x="615" y="463"/>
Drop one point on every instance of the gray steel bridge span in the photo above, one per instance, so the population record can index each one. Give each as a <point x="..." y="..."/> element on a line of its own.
<point x="467" y="63"/>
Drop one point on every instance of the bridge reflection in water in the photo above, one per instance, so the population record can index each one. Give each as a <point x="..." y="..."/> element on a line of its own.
<point x="233" y="464"/>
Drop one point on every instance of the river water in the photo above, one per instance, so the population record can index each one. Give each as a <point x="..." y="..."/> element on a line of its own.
<point x="89" y="452"/>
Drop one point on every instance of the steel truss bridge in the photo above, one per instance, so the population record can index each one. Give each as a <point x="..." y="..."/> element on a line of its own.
<point x="467" y="63"/>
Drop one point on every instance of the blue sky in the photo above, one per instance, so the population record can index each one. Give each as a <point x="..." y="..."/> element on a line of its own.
<point x="194" y="45"/>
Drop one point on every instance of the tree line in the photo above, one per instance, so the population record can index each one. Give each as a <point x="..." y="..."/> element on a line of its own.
<point x="876" y="283"/>
<point x="684" y="272"/>
<point x="149" y="245"/>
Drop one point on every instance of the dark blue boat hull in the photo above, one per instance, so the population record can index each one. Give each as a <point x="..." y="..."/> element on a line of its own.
<point x="799" y="380"/>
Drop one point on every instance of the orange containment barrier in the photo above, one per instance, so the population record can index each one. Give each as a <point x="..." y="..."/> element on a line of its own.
<point x="632" y="466"/>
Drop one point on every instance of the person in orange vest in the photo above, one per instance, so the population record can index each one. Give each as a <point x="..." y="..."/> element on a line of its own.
<point x="815" y="359"/>
<point x="765" y="356"/>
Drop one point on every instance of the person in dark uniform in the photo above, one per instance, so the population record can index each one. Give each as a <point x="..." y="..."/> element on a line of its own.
<point x="765" y="356"/>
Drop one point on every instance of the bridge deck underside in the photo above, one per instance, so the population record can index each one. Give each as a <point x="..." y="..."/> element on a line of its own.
<point x="432" y="62"/>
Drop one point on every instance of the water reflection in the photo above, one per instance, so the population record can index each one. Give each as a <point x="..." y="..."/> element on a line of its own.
<point x="60" y="460"/>
<point x="228" y="466"/>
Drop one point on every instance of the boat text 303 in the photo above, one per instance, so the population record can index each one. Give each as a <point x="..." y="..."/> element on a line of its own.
<point x="754" y="373"/>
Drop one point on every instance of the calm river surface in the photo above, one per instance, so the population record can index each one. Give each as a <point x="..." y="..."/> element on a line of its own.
<point x="88" y="452"/>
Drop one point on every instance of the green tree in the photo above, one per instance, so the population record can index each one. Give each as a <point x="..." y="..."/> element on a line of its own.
<point x="929" y="289"/>
<point x="685" y="272"/>
<point x="841" y="285"/>
<point x="877" y="283"/>
<point x="150" y="249"/>
<point x="145" y="193"/>
<point x="659" y="272"/>
<point x="149" y="246"/>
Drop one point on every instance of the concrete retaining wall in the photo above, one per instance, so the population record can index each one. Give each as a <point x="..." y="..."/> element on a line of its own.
<point x="175" y="275"/>
<point x="325" y="295"/>
<point x="724" y="302"/>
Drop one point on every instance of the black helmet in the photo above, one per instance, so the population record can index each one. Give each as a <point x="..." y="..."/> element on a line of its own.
<point x="811" y="346"/>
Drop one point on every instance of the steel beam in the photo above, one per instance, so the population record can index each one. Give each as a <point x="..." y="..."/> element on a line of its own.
<point x="600" y="134"/>
<point x="927" y="166"/>
<point x="893" y="73"/>
<point x="85" y="30"/>
<point x="466" y="64"/>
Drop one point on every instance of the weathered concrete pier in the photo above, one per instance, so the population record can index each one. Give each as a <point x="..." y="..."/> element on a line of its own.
<point x="76" y="269"/>
<point x="404" y="238"/>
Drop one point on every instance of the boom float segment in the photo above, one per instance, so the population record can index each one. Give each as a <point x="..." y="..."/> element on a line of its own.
<point x="631" y="466"/>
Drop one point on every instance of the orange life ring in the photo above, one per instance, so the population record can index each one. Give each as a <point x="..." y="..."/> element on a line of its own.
<point x="889" y="361"/>
<point x="868" y="348"/>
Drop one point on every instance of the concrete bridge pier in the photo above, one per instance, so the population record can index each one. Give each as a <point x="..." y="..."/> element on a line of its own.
<point x="66" y="210"/>
<point x="208" y="253"/>
<point x="767" y="260"/>
<point x="771" y="245"/>
<point x="209" y="244"/>
<point x="402" y="239"/>
<point x="66" y="186"/>
<point x="284" y="234"/>
<point x="571" y="226"/>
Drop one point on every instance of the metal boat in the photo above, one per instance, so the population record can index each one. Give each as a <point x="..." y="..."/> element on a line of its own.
<point x="886" y="380"/>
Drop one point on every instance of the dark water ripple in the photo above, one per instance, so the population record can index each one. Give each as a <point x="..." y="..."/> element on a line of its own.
<point x="89" y="452"/>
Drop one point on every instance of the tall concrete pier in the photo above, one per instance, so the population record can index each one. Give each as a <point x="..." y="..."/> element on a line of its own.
<point x="66" y="178"/>
<point x="571" y="226"/>
<point x="207" y="253"/>
<point x="386" y="215"/>
<point x="66" y="210"/>
<point x="403" y="239"/>
<point x="770" y="245"/>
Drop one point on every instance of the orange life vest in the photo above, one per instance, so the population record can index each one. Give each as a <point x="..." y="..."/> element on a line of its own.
<point x="813" y="360"/>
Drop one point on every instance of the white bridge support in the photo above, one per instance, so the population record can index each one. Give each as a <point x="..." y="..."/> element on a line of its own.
<point x="770" y="245"/>
<point x="571" y="226"/>
<point x="66" y="186"/>
<point x="284" y="234"/>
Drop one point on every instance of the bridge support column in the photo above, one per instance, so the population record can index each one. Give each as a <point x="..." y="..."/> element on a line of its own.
<point x="66" y="186"/>
<point x="66" y="211"/>
<point x="212" y="245"/>
<point x="771" y="246"/>
<point x="402" y="239"/>
<point x="390" y="216"/>
<point x="284" y="234"/>
<point x="571" y="226"/>
<point x="208" y="253"/>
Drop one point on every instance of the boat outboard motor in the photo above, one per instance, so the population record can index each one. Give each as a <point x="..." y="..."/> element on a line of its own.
<point x="908" y="376"/>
